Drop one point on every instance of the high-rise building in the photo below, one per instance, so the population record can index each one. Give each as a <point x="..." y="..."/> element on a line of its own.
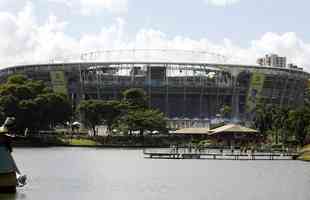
<point x="292" y="66"/>
<point x="272" y="60"/>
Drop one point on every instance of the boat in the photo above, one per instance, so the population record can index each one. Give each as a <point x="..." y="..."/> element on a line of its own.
<point x="10" y="176"/>
<point x="8" y="179"/>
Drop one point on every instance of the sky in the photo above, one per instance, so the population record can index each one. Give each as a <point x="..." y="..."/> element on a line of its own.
<point x="242" y="30"/>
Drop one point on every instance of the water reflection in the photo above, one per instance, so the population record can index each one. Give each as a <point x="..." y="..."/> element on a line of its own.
<point x="77" y="173"/>
<point x="13" y="196"/>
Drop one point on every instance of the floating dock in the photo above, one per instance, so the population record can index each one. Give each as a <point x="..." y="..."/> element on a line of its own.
<point x="216" y="154"/>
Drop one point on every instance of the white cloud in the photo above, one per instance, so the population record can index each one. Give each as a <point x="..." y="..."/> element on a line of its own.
<point x="23" y="39"/>
<point x="68" y="3"/>
<point x="286" y="44"/>
<point x="93" y="7"/>
<point x="89" y="7"/>
<point x="221" y="2"/>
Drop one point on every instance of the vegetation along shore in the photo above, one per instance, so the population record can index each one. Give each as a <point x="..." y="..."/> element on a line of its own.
<point x="45" y="118"/>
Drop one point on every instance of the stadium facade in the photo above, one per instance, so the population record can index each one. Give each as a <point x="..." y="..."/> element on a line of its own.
<point x="181" y="89"/>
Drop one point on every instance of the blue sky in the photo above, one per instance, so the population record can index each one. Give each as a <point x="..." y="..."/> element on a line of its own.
<point x="241" y="22"/>
<point x="240" y="29"/>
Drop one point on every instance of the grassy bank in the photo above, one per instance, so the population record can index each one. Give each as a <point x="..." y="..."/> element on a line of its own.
<point x="305" y="153"/>
<point x="79" y="142"/>
<point x="101" y="141"/>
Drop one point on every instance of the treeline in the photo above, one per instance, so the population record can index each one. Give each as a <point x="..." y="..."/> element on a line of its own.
<point x="36" y="107"/>
<point x="283" y="125"/>
<point x="125" y="116"/>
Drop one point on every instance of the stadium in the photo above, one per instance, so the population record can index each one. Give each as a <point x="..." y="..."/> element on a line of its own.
<point x="180" y="83"/>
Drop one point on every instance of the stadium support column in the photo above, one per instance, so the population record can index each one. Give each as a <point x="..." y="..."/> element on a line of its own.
<point x="184" y="93"/>
<point x="273" y="89"/>
<point x="167" y="92"/>
<point x="82" y="85"/>
<point x="284" y="90"/>
<point x="235" y="98"/>
<point x="98" y="83"/>
<point x="114" y="81"/>
<point x="235" y="94"/>
<point x="295" y="91"/>
<point x="149" y="85"/>
<point x="217" y="85"/>
<point x="201" y="96"/>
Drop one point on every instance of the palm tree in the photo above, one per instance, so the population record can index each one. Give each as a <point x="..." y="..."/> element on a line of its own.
<point x="263" y="118"/>
<point x="280" y="123"/>
<point x="299" y="121"/>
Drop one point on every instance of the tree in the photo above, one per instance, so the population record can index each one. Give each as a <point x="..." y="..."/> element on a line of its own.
<point x="111" y="111"/>
<point x="32" y="104"/>
<point x="17" y="79"/>
<point x="137" y="116"/>
<point x="28" y="115"/>
<point x="299" y="123"/>
<point x="8" y="105"/>
<point x="91" y="111"/>
<point x="226" y="111"/>
<point x="95" y="112"/>
<point x="280" y="118"/>
<point x="263" y="118"/>
<point x="145" y="120"/>
<point x="135" y="97"/>
<point x="55" y="108"/>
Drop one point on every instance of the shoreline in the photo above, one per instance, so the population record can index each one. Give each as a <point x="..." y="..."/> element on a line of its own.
<point x="116" y="142"/>
<point x="89" y="146"/>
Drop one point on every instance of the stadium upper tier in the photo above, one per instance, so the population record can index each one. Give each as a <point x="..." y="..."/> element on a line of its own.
<point x="179" y="89"/>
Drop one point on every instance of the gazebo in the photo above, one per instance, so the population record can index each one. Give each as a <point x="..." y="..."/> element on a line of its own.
<point x="234" y="135"/>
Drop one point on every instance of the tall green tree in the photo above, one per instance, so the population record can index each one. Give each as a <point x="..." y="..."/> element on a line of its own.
<point x="33" y="105"/>
<point x="299" y="123"/>
<point x="91" y="111"/>
<point x="280" y="118"/>
<point x="136" y="97"/>
<point x="55" y="108"/>
<point x="111" y="111"/>
<point x="145" y="120"/>
<point x="226" y="111"/>
<point x="263" y="118"/>
<point x="97" y="112"/>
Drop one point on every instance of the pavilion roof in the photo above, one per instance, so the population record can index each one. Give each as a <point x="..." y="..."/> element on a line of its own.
<point x="228" y="128"/>
<point x="192" y="131"/>
<point x="232" y="128"/>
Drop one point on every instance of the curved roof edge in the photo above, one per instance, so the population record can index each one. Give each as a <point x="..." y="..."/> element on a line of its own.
<point x="215" y="65"/>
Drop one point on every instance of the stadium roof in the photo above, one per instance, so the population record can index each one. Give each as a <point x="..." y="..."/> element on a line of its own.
<point x="151" y="57"/>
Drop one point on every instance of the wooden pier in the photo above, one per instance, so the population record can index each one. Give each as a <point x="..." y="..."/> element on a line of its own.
<point x="216" y="154"/>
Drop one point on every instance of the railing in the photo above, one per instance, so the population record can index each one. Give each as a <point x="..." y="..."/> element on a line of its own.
<point x="196" y="153"/>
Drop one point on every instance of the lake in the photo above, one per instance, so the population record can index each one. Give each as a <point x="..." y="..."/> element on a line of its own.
<point x="116" y="174"/>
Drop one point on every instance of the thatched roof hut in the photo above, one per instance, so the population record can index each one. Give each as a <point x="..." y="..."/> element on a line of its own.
<point x="234" y="134"/>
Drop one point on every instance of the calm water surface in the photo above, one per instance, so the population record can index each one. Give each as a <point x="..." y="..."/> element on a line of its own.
<point x="108" y="174"/>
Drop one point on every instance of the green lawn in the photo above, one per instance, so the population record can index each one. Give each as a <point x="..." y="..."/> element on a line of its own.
<point x="305" y="155"/>
<point x="82" y="142"/>
<point x="307" y="147"/>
